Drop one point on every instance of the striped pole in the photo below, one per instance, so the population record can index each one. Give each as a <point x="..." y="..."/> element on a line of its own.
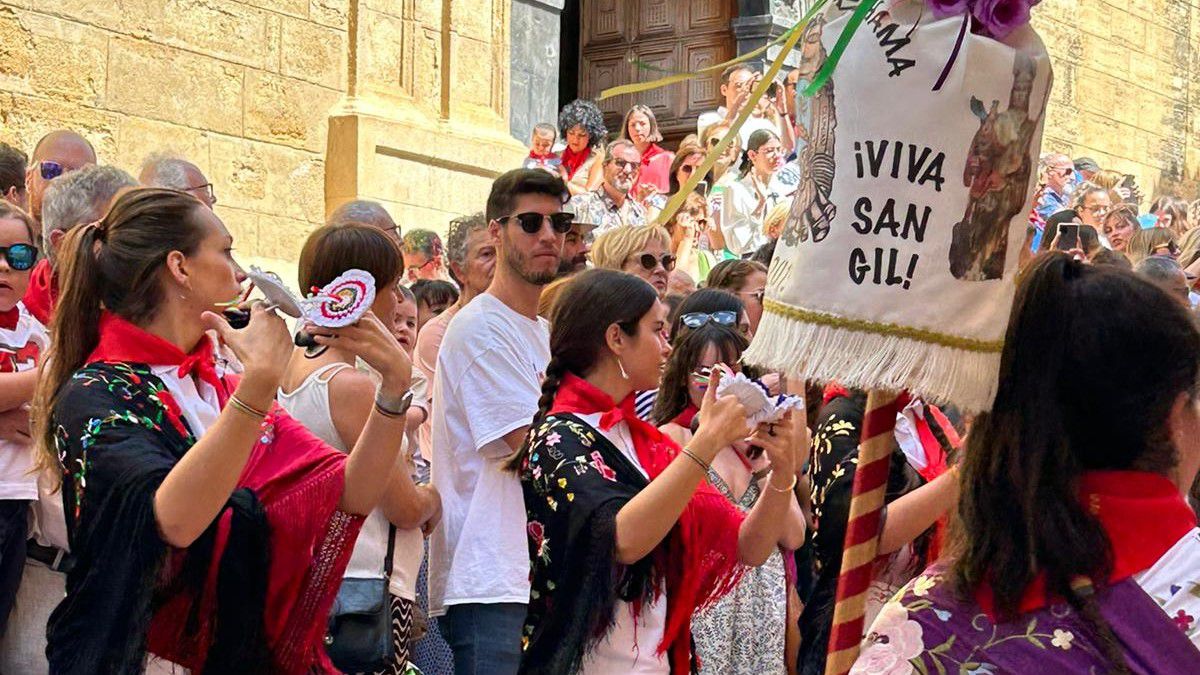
<point x="862" y="530"/>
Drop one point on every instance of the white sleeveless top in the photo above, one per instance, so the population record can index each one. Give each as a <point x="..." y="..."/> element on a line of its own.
<point x="309" y="404"/>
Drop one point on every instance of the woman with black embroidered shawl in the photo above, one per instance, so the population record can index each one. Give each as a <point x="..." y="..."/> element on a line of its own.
<point x="626" y="539"/>
<point x="210" y="530"/>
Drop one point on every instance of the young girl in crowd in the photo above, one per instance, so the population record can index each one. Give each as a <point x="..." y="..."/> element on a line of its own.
<point x="1078" y="552"/>
<point x="625" y="539"/>
<point x="744" y="632"/>
<point x="22" y="341"/>
<point x="334" y="400"/>
<point x="755" y="193"/>
<point x="433" y="297"/>
<point x="209" y="530"/>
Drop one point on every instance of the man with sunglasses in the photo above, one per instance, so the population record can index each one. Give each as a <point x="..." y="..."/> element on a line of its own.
<point x="485" y="394"/>
<point x="611" y="205"/>
<point x="58" y="152"/>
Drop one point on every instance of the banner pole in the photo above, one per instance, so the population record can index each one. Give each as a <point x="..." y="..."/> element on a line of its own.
<point x="862" y="530"/>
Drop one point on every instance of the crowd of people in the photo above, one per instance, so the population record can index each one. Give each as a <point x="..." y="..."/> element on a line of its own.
<point x="518" y="462"/>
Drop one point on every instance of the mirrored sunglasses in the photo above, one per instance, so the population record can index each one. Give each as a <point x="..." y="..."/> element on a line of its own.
<point x="20" y="257"/>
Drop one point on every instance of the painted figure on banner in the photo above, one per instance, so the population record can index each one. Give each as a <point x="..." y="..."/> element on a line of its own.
<point x="812" y="211"/>
<point x="997" y="173"/>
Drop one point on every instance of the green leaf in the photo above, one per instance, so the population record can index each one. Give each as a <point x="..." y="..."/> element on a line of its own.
<point x="1032" y="625"/>
<point x="1035" y="641"/>
<point x="918" y="663"/>
<point x="968" y="667"/>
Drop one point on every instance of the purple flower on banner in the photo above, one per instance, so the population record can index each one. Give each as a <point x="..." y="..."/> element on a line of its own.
<point x="944" y="8"/>
<point x="998" y="18"/>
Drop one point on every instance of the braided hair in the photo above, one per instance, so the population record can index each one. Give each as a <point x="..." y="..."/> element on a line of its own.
<point x="588" y="305"/>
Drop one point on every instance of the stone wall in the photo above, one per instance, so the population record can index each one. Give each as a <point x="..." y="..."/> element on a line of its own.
<point x="535" y="65"/>
<point x="1127" y="87"/>
<point x="249" y="89"/>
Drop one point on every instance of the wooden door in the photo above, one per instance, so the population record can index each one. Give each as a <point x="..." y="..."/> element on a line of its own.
<point x="668" y="35"/>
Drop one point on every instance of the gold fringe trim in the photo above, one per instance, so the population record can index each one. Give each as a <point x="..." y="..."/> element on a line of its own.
<point x="889" y="329"/>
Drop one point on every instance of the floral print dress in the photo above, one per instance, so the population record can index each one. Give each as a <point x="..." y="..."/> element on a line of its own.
<point x="743" y="633"/>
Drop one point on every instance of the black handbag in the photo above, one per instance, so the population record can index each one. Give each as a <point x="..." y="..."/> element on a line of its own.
<point x="359" y="637"/>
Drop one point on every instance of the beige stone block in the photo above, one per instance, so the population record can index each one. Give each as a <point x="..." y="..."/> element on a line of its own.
<point x="334" y="13"/>
<point x="1103" y="53"/>
<point x="274" y="60"/>
<point x="470" y="84"/>
<point x="138" y="138"/>
<point x="400" y="9"/>
<point x="176" y="86"/>
<point x="137" y="18"/>
<point x="313" y="53"/>
<point x="224" y="29"/>
<point x="16" y="50"/>
<point x="71" y="67"/>
<point x="269" y="178"/>
<point x="242" y="226"/>
<point x="428" y="14"/>
<point x="475" y="19"/>
<point x="1062" y="11"/>
<point x="296" y="8"/>
<point x="26" y="119"/>
<point x="288" y="111"/>
<point x="381" y="52"/>
<point x="280" y="237"/>
<point x="425" y="78"/>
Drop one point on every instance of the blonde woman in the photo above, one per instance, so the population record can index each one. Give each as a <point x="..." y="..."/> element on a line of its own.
<point x="1154" y="241"/>
<point x="643" y="251"/>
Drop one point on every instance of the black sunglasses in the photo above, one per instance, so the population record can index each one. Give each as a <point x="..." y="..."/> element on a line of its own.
<point x="695" y="320"/>
<point x="649" y="262"/>
<point x="20" y="257"/>
<point x="531" y="222"/>
<point x="50" y="170"/>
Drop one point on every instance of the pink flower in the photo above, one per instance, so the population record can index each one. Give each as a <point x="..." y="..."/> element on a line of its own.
<point x="892" y="641"/>
<point x="553" y="439"/>
<point x="944" y="8"/>
<point x="604" y="469"/>
<point x="998" y="18"/>
<point x="537" y="532"/>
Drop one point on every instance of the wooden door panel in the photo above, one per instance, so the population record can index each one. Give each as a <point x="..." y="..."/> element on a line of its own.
<point x="709" y="15"/>
<point x="669" y="36"/>
<point x="604" y="22"/>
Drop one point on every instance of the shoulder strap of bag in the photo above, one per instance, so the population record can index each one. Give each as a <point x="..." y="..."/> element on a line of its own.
<point x="391" y="552"/>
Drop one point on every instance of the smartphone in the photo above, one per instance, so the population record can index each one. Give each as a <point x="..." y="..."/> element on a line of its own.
<point x="702" y="188"/>
<point x="1068" y="236"/>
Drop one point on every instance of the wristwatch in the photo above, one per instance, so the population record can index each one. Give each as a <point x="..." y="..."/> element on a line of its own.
<point x="398" y="411"/>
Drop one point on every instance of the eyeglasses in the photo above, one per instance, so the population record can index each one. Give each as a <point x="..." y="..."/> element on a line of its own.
<point x="625" y="165"/>
<point x="757" y="295"/>
<point x="1098" y="210"/>
<point x="695" y="320"/>
<point x="687" y="168"/>
<point x="417" y="268"/>
<point x="208" y="191"/>
<point x="20" y="257"/>
<point x="649" y="262"/>
<point x="50" y="170"/>
<point x="532" y="222"/>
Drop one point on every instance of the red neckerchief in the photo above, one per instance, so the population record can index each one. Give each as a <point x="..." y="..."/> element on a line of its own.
<point x="1144" y="515"/>
<point x="699" y="558"/>
<point x="572" y="160"/>
<point x="42" y="292"/>
<point x="9" y="319"/>
<point x="122" y="342"/>
<point x="834" y="390"/>
<point x="653" y="150"/>
<point x="540" y="156"/>
<point x="684" y="419"/>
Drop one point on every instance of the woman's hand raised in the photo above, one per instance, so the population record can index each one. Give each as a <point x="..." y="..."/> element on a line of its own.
<point x="263" y="346"/>
<point x="722" y="420"/>
<point x="785" y="443"/>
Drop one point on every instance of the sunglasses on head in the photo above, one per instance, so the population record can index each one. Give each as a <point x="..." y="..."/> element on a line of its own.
<point x="695" y="320"/>
<point x="50" y="170"/>
<point x="20" y="257"/>
<point x="531" y="222"/>
<point x="649" y="262"/>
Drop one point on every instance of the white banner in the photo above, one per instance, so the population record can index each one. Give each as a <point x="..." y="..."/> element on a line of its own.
<point x="896" y="267"/>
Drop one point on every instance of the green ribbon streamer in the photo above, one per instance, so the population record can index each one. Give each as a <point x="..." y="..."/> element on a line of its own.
<point x="860" y="14"/>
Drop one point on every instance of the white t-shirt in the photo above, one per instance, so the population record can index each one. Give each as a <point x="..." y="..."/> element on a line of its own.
<point x="487" y="384"/>
<point x="632" y="642"/>
<point x="19" y="350"/>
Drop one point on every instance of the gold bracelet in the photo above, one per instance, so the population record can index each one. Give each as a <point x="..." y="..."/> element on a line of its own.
<point x="790" y="488"/>
<point x="240" y="405"/>
<point x="705" y="466"/>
